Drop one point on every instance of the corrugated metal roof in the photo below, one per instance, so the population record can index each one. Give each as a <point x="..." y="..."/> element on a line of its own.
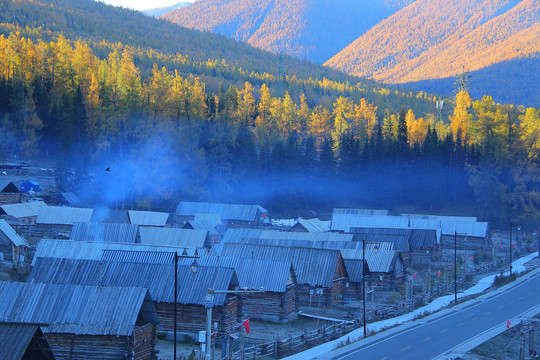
<point x="342" y="222"/>
<point x="312" y="266"/>
<point x="356" y="268"/>
<point x="157" y="278"/>
<point x="71" y="198"/>
<point x="313" y="225"/>
<point x="225" y="211"/>
<point x="76" y="309"/>
<point x="272" y="275"/>
<point x="441" y="217"/>
<point x="378" y="260"/>
<point x="23" y="210"/>
<point x="148" y="218"/>
<point x="105" y="232"/>
<point x="14" y="340"/>
<point x="341" y="211"/>
<point x="174" y="237"/>
<point x="237" y="234"/>
<point x="8" y="187"/>
<point x="8" y="231"/>
<point x="60" y="215"/>
<point x="91" y="250"/>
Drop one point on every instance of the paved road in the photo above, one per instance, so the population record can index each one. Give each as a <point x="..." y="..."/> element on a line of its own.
<point x="439" y="335"/>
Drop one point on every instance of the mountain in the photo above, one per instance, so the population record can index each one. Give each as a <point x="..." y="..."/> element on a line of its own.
<point x="310" y="29"/>
<point x="157" y="12"/>
<point x="435" y="39"/>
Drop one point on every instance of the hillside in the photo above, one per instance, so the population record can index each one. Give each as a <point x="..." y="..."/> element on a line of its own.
<point x="97" y="23"/>
<point x="443" y="36"/>
<point x="157" y="12"/>
<point x="311" y="29"/>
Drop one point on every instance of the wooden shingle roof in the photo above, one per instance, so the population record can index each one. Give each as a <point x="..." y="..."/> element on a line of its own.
<point x="63" y="215"/>
<point x="225" y="211"/>
<point x="15" y="340"/>
<point x="23" y="210"/>
<point x="104" y="232"/>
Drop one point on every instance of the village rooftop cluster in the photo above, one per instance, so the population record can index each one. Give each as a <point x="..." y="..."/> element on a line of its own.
<point x="102" y="281"/>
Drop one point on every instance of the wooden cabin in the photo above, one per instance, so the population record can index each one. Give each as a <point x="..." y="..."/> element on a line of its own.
<point x="12" y="246"/>
<point x="24" y="341"/>
<point x="86" y="322"/>
<point x="148" y="218"/>
<point x="159" y="280"/>
<point x="9" y="193"/>
<point x="320" y="273"/>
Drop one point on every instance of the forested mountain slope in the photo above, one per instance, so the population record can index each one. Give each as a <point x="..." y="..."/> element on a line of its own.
<point x="436" y="39"/>
<point x="157" y="12"/>
<point x="312" y="29"/>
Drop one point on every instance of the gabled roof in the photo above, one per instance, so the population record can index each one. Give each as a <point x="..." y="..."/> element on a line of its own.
<point x="174" y="237"/>
<point x="11" y="235"/>
<point x="91" y="250"/>
<point x="234" y="235"/>
<point x="400" y="237"/>
<point x="312" y="266"/>
<point x="23" y="210"/>
<point x="15" y="339"/>
<point x="342" y="222"/>
<point x="201" y="225"/>
<point x="225" y="211"/>
<point x="63" y="215"/>
<point x="105" y="232"/>
<point x="383" y="261"/>
<point x="8" y="187"/>
<point x="312" y="225"/>
<point x="157" y="278"/>
<point x="76" y="309"/>
<point x="148" y="218"/>
<point x="272" y="275"/>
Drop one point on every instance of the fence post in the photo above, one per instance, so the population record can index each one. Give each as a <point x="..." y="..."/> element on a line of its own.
<point x="276" y="342"/>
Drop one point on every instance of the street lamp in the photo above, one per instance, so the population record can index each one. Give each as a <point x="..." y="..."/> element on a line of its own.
<point x="194" y="269"/>
<point x="375" y="250"/>
<point x="455" y="264"/>
<point x="518" y="228"/>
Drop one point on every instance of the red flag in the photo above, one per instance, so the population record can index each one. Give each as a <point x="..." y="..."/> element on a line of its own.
<point x="212" y="336"/>
<point x="472" y="258"/>
<point x="513" y="244"/>
<point x="438" y="272"/>
<point x="500" y="245"/>
<point x="508" y="324"/>
<point x="415" y="276"/>
<point x="246" y="325"/>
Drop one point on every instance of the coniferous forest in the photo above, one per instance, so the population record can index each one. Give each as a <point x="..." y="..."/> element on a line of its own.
<point x="170" y="127"/>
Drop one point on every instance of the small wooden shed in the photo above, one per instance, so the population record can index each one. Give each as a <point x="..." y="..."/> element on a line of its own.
<point x="9" y="193"/>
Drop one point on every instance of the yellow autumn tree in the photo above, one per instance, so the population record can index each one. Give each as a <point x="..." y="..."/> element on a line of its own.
<point x="461" y="121"/>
